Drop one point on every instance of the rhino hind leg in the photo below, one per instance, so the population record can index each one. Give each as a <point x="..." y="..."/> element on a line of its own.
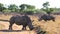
<point x="53" y="20"/>
<point x="24" y="28"/>
<point x="10" y="26"/>
<point x="45" y="20"/>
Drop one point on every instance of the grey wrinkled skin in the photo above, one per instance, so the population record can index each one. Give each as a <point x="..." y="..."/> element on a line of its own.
<point x="21" y="20"/>
<point x="46" y="18"/>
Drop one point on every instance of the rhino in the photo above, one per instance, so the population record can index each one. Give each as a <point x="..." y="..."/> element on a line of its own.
<point x="46" y="18"/>
<point x="21" y="20"/>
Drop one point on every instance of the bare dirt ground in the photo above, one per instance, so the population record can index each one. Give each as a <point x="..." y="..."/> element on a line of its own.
<point x="49" y="26"/>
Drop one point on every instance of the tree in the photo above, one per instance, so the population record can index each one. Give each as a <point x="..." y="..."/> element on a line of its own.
<point x="2" y="7"/>
<point x="46" y="8"/>
<point x="13" y="7"/>
<point x="22" y="7"/>
<point x="30" y="7"/>
<point x="25" y="8"/>
<point x="46" y="5"/>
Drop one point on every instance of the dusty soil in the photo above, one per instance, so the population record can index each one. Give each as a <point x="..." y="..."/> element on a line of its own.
<point x="49" y="26"/>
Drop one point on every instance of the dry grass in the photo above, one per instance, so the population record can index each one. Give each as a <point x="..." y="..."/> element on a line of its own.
<point x="49" y="26"/>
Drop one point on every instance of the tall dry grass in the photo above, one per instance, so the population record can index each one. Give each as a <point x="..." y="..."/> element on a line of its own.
<point x="49" y="26"/>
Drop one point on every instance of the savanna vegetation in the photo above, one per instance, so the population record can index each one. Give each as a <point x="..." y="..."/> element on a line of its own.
<point x="28" y="9"/>
<point x="49" y="26"/>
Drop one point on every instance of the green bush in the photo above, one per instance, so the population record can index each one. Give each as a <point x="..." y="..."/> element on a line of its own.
<point x="28" y="11"/>
<point x="6" y="11"/>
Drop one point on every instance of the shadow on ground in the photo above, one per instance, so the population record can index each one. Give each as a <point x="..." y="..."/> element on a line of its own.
<point x="12" y="30"/>
<point x="4" y="20"/>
